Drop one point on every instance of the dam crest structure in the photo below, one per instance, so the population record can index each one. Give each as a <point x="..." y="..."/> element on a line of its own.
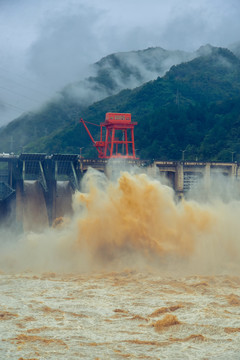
<point x="41" y="185"/>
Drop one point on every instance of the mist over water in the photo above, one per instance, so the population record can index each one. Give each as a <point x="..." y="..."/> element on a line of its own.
<point x="127" y="220"/>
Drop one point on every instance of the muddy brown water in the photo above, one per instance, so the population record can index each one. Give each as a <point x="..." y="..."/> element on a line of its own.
<point x="115" y="316"/>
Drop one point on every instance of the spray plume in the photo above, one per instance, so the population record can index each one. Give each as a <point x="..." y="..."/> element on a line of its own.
<point x="132" y="221"/>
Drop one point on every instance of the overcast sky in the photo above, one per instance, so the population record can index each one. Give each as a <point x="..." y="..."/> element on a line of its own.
<point x="46" y="44"/>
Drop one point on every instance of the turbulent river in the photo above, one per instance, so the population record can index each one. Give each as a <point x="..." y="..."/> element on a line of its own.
<point x="132" y="274"/>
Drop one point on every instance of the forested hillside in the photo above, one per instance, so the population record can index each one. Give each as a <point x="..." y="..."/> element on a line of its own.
<point x="110" y="75"/>
<point x="195" y="107"/>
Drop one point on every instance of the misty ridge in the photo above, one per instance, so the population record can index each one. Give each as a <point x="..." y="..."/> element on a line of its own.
<point x="124" y="70"/>
<point x="107" y="77"/>
<point x="128" y="70"/>
<point x="123" y="75"/>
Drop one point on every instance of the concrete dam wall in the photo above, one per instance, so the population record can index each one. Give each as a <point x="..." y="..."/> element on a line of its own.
<point x="37" y="189"/>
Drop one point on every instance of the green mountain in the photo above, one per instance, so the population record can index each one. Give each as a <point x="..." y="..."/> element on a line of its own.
<point x="108" y="76"/>
<point x="194" y="107"/>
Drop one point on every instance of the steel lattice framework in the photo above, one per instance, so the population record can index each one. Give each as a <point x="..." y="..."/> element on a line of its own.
<point x="116" y="125"/>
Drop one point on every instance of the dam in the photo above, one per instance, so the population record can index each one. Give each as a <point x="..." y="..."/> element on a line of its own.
<point x="40" y="186"/>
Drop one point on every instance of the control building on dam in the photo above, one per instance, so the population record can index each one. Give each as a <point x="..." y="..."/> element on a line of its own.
<point x="40" y="187"/>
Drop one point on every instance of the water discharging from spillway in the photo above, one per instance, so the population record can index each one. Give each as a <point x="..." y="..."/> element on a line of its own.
<point x="132" y="273"/>
<point x="130" y="220"/>
<point x="64" y="194"/>
<point x="31" y="207"/>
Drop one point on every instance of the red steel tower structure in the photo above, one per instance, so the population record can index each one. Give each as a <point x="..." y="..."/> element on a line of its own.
<point x="119" y="136"/>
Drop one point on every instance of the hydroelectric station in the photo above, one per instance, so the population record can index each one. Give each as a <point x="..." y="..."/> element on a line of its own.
<point x="41" y="186"/>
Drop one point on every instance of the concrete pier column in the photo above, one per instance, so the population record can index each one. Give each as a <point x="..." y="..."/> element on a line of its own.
<point x="207" y="175"/>
<point x="50" y="198"/>
<point x="179" y="179"/>
<point x="10" y="174"/>
<point x="19" y="211"/>
<point x="234" y="171"/>
<point x="238" y="172"/>
<point x="152" y="170"/>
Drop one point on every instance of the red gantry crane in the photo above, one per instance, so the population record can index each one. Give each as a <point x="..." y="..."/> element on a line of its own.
<point x="119" y="136"/>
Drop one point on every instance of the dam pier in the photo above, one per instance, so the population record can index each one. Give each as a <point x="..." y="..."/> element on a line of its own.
<point x="40" y="186"/>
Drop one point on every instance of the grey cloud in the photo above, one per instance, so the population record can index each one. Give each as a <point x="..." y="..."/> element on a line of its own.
<point x="64" y="49"/>
<point x="53" y="42"/>
<point x="2" y="106"/>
